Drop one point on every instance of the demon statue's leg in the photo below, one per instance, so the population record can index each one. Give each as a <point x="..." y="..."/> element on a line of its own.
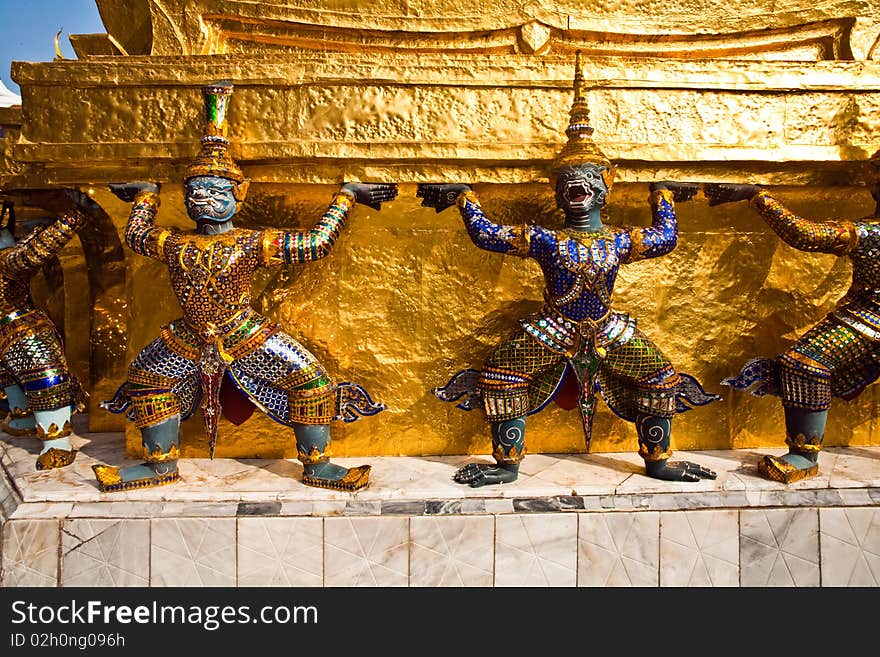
<point x="508" y="448"/>
<point x="53" y="427"/>
<point x="654" y="438"/>
<point x="804" y="431"/>
<point x="19" y="421"/>
<point x="805" y="374"/>
<point x="161" y="451"/>
<point x="313" y="450"/>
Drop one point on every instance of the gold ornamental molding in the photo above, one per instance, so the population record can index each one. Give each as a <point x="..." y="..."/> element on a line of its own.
<point x="829" y="29"/>
<point x="827" y="39"/>
<point x="321" y="117"/>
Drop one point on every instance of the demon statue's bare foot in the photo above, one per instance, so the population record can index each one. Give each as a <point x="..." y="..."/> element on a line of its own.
<point x="476" y="475"/>
<point x="678" y="471"/>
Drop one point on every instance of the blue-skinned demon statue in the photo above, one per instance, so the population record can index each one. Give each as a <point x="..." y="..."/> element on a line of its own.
<point x="578" y="333"/>
<point x="222" y="347"/>
<point x="40" y="390"/>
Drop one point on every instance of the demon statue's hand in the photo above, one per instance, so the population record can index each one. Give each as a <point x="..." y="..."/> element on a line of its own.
<point x="719" y="193"/>
<point x="371" y="194"/>
<point x="82" y="200"/>
<point x="680" y="191"/>
<point x="875" y="194"/>
<point x="127" y="191"/>
<point x="677" y="471"/>
<point x="440" y="197"/>
<point x="56" y="201"/>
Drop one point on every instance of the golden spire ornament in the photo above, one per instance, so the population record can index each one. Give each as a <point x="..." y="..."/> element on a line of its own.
<point x="580" y="148"/>
<point x="214" y="158"/>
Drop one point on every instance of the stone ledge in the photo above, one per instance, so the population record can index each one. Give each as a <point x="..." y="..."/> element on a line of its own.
<point x="428" y="116"/>
<point x="849" y="476"/>
<point x="570" y="520"/>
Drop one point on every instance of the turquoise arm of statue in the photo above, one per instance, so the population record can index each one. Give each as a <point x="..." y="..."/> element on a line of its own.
<point x="39" y="247"/>
<point x="661" y="237"/>
<point x="140" y="234"/>
<point x="837" y="237"/>
<point x="287" y="246"/>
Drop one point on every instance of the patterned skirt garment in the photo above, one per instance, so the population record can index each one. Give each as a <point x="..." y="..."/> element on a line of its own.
<point x="522" y="375"/>
<point x="32" y="355"/>
<point x="830" y="360"/>
<point x="274" y="371"/>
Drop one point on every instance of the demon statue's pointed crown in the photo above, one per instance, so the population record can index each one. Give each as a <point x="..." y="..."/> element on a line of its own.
<point x="580" y="148"/>
<point x="214" y="158"/>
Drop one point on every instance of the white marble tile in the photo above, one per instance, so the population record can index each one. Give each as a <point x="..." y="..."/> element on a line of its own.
<point x="9" y="497"/>
<point x="855" y="467"/>
<point x="20" y="448"/>
<point x="393" y="477"/>
<point x="498" y="505"/>
<point x="76" y="482"/>
<point x="452" y="551"/>
<point x="584" y="475"/>
<point x="257" y="496"/>
<point x="105" y="553"/>
<point x="328" y="508"/>
<point x="699" y="548"/>
<point x="280" y="551"/>
<point x="120" y="509"/>
<point x="254" y="475"/>
<point x="176" y="509"/>
<point x="366" y="551"/>
<point x="533" y="464"/>
<point x="30" y="553"/>
<point x="779" y="547"/>
<point x="219" y="495"/>
<point x="301" y="508"/>
<point x="432" y="477"/>
<point x="536" y="550"/>
<point x="7" y="506"/>
<point x="193" y="552"/>
<point x="857" y="496"/>
<point x="850" y="546"/>
<point x="5" y="482"/>
<point x="727" y="465"/>
<point x="619" y="549"/>
<point x="35" y="510"/>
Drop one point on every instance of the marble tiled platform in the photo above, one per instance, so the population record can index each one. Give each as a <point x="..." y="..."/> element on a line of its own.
<point x="570" y="520"/>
